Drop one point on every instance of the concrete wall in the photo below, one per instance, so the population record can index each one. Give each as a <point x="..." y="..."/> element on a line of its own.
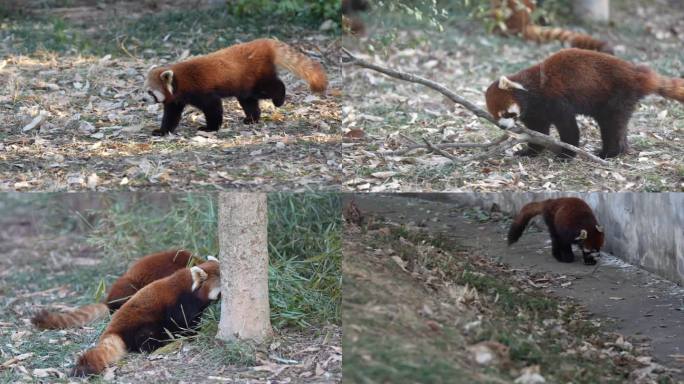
<point x="644" y="229"/>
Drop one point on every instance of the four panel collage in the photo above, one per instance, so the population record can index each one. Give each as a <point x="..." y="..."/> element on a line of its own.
<point x="342" y="191"/>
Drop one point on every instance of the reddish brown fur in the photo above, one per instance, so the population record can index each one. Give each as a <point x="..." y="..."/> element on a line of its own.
<point x="350" y="19"/>
<point x="144" y="271"/>
<point x="520" y="23"/>
<point x="565" y="218"/>
<point x="575" y="81"/>
<point x="246" y="71"/>
<point x="142" y="323"/>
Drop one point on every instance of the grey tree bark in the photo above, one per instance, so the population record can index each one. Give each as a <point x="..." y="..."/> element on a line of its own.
<point x="243" y="243"/>
<point x="592" y="10"/>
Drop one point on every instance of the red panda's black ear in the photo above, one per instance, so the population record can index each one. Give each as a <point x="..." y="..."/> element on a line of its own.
<point x="167" y="79"/>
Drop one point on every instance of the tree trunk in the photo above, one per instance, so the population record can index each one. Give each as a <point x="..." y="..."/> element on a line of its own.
<point x="592" y="10"/>
<point x="243" y="243"/>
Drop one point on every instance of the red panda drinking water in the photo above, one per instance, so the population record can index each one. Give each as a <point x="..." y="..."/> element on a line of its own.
<point x="144" y="271"/>
<point x="246" y="71"/>
<point x="570" y="221"/>
<point x="172" y="305"/>
<point x="578" y="82"/>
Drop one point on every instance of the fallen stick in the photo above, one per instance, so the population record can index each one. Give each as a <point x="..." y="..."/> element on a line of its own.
<point x="415" y="145"/>
<point x="519" y="132"/>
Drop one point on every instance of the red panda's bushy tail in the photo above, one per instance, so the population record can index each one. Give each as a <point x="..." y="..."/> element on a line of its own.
<point x="302" y="66"/>
<point x="671" y="88"/>
<point x="110" y="349"/>
<point x="576" y="39"/>
<point x="61" y="320"/>
<point x="522" y="218"/>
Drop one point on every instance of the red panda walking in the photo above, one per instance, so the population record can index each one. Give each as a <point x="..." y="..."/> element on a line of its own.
<point x="570" y="221"/>
<point x="144" y="271"/>
<point x="578" y="82"/>
<point x="246" y="71"/>
<point x="518" y="20"/>
<point x="173" y="304"/>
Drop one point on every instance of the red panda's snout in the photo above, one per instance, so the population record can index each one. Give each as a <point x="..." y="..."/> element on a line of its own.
<point x="591" y="245"/>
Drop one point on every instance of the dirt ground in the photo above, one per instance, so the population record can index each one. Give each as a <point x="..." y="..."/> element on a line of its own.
<point x="91" y="131"/>
<point x="59" y="270"/>
<point x="645" y="309"/>
<point x="466" y="59"/>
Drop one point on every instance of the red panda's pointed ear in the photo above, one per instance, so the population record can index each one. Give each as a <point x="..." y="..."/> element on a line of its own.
<point x="506" y="83"/>
<point x="599" y="228"/>
<point x="582" y="235"/>
<point x="167" y="79"/>
<point x="198" y="277"/>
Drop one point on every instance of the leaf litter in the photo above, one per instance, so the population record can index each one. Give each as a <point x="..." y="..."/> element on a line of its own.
<point x="379" y="112"/>
<point x="73" y="122"/>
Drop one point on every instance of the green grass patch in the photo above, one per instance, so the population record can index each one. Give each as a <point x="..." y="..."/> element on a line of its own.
<point x="305" y="248"/>
<point x="198" y="30"/>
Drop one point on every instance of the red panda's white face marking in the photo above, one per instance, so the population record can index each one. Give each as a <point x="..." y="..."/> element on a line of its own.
<point x="507" y="118"/>
<point x="206" y="280"/>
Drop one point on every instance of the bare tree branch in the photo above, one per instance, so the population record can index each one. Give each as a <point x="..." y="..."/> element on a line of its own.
<point x="519" y="132"/>
<point x="403" y="151"/>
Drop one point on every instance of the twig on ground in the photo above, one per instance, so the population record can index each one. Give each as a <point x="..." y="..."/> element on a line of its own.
<point x="440" y="151"/>
<point x="416" y="145"/>
<point x="519" y="132"/>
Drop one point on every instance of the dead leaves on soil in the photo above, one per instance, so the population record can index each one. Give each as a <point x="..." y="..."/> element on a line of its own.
<point x="75" y="123"/>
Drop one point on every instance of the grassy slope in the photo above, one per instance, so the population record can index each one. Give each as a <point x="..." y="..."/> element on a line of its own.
<point x="414" y="325"/>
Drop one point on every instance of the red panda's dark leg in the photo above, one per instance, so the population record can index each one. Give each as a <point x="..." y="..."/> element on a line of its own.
<point x="274" y="89"/>
<point x="560" y="247"/>
<point x="213" y="113"/>
<point x="540" y="126"/>
<point x="613" y="133"/>
<point x="251" y="108"/>
<point x="171" y="118"/>
<point x="569" y="133"/>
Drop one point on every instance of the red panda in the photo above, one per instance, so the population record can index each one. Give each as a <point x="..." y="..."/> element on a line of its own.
<point x="570" y="221"/>
<point x="246" y="71"/>
<point x="172" y="305"/>
<point x="517" y="20"/>
<point x="573" y="82"/>
<point x="144" y="271"/>
<point x="350" y="19"/>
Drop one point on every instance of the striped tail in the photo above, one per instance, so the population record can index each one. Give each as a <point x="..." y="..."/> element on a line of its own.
<point x="76" y="318"/>
<point x="522" y="219"/>
<point x="309" y="70"/>
<point x="108" y="351"/>
<point x="671" y="88"/>
<point x="576" y="39"/>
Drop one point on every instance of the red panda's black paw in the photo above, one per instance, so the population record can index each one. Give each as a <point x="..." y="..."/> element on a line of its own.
<point x="589" y="260"/>
<point x="159" y="132"/>
<point x="250" y="120"/>
<point x="207" y="129"/>
<point x="527" y="152"/>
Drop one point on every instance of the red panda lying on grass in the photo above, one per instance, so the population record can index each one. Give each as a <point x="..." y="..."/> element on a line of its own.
<point x="172" y="305"/>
